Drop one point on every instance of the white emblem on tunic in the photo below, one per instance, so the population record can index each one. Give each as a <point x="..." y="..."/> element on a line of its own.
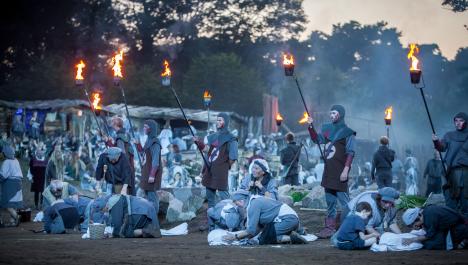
<point x="331" y="151"/>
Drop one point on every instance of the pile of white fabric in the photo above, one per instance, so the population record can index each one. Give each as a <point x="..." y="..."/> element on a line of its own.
<point x="393" y="242"/>
<point x="215" y="238"/>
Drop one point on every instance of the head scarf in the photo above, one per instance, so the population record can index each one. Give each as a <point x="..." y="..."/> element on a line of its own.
<point x="410" y="215"/>
<point x="113" y="153"/>
<point x="153" y="134"/>
<point x="223" y="135"/>
<point x="9" y="152"/>
<point x="337" y="130"/>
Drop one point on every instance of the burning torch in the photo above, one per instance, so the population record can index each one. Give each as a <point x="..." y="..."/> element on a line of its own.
<point x="79" y="82"/>
<point x="416" y="77"/>
<point x="278" y="119"/>
<point x="117" y="68"/>
<point x="288" y="64"/>
<point x="388" y="119"/>
<point x="207" y="103"/>
<point x="166" y="81"/>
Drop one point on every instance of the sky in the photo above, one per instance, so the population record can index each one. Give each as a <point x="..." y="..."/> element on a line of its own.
<point x="420" y="21"/>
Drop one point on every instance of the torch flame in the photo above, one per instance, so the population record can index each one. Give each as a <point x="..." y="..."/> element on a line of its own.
<point x="96" y="101"/>
<point x="167" y="70"/>
<point x="304" y="119"/>
<point x="414" y="50"/>
<point x="288" y="60"/>
<point x="388" y="113"/>
<point x="206" y="94"/>
<point x="116" y="64"/>
<point x="279" y="117"/>
<point x="79" y="70"/>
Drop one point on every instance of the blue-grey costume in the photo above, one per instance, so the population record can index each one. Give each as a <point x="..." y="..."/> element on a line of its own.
<point x="269" y="185"/>
<point x="59" y="217"/>
<point x="272" y="218"/>
<point x="10" y="180"/>
<point x="224" y="215"/>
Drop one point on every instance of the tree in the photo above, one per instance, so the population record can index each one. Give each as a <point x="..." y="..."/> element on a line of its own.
<point x="456" y="5"/>
<point x="234" y="86"/>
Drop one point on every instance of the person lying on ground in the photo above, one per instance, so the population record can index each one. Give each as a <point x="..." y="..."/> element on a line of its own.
<point x="132" y="216"/>
<point x="276" y="221"/>
<point x="67" y="191"/>
<point x="437" y="221"/>
<point x="225" y="215"/>
<point x="351" y="234"/>
<point x="382" y="203"/>
<point x="260" y="181"/>
<point x="59" y="216"/>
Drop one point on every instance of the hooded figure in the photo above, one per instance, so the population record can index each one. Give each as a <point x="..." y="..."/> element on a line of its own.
<point x="455" y="146"/>
<point x="151" y="171"/>
<point x="339" y="154"/>
<point x="222" y="153"/>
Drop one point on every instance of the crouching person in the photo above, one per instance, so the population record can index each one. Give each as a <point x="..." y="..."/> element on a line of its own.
<point x="66" y="191"/>
<point x="94" y="212"/>
<point x="227" y="215"/>
<point x="437" y="221"/>
<point x="60" y="215"/>
<point x="351" y="234"/>
<point x="276" y="221"/>
<point x="132" y="216"/>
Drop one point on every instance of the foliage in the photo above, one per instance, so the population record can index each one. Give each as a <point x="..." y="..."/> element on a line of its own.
<point x="298" y="196"/>
<point x="410" y="201"/>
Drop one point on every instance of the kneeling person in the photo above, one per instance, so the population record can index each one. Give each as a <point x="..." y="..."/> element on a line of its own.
<point x="277" y="222"/>
<point x="351" y="234"/>
<point x="225" y="215"/>
<point x="132" y="216"/>
<point x="437" y="221"/>
<point x="60" y="216"/>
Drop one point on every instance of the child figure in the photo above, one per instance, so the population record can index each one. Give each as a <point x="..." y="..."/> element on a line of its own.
<point x="351" y="234"/>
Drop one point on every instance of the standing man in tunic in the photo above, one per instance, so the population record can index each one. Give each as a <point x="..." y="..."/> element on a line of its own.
<point x="339" y="154"/>
<point x="222" y="153"/>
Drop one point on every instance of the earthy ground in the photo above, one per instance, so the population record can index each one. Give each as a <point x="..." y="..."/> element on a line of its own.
<point x="21" y="246"/>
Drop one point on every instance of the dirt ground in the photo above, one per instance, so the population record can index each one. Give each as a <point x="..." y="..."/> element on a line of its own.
<point x="21" y="246"/>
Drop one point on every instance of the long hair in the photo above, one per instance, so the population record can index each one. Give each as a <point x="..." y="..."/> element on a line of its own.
<point x="57" y="158"/>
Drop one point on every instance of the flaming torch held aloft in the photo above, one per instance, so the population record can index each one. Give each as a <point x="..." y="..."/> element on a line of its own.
<point x="415" y="72"/>
<point x="304" y="118"/>
<point x="96" y="96"/>
<point x="79" y="81"/>
<point x="166" y="74"/>
<point x="207" y="103"/>
<point x="388" y="119"/>
<point x="416" y="76"/>
<point x="278" y="119"/>
<point x="166" y="81"/>
<point x="288" y="64"/>
<point x="116" y="63"/>
<point x="117" y="67"/>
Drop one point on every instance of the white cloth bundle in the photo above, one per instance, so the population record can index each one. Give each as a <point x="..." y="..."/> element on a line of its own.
<point x="179" y="230"/>
<point x="393" y="242"/>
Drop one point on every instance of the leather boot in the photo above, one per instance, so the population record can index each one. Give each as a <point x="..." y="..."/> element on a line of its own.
<point x="329" y="229"/>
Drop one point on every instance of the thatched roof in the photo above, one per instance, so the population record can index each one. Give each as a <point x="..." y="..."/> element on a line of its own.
<point x="146" y="112"/>
<point x="46" y="104"/>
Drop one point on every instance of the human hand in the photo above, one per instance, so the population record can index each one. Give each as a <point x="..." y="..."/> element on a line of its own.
<point x="344" y="174"/>
<point x="258" y="184"/>
<point x="435" y="137"/>
<point x="151" y="179"/>
<point x="310" y="120"/>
